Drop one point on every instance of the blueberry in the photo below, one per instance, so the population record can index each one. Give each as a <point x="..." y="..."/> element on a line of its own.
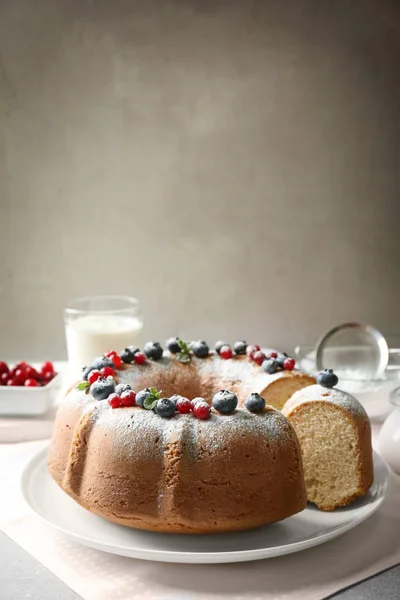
<point x="200" y="349"/>
<point x="282" y="356"/>
<point x="153" y="350"/>
<point x="197" y="400"/>
<point x="102" y="388"/>
<point x="165" y="407"/>
<point x="128" y="354"/>
<point x="173" y="345"/>
<point x="240" y="347"/>
<point x="218" y="346"/>
<point x="103" y="361"/>
<point x="122" y="387"/>
<point x="255" y="403"/>
<point x="225" y="402"/>
<point x="271" y="366"/>
<point x="86" y="371"/>
<point x="327" y="378"/>
<point x="142" y="395"/>
<point x="175" y="397"/>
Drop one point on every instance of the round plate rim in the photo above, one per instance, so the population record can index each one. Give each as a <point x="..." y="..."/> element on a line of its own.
<point x="199" y="557"/>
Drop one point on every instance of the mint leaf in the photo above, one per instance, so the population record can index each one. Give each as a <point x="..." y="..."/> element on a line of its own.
<point x="155" y="394"/>
<point x="150" y="403"/>
<point x="184" y="355"/>
<point x="83" y="385"/>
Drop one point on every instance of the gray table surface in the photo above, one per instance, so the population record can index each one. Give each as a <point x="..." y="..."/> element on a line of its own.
<point x="22" y="576"/>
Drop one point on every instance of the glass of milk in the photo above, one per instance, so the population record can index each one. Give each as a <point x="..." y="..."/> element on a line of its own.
<point x="96" y="324"/>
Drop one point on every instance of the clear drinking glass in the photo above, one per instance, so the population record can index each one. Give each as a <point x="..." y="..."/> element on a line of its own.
<point x="96" y="324"/>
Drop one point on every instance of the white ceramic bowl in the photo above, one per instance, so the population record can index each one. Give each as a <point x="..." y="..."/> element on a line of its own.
<point x="20" y="400"/>
<point x="389" y="435"/>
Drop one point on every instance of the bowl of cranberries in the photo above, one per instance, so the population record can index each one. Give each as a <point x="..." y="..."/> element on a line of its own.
<point x="27" y="389"/>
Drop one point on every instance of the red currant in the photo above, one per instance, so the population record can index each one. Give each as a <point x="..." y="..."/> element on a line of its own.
<point x="114" y="401"/>
<point x="272" y="355"/>
<point x="93" y="376"/>
<point x="4" y="377"/>
<point x="201" y="410"/>
<point x="183" y="405"/>
<point x="258" y="357"/>
<point x="4" y="368"/>
<point x="31" y="383"/>
<point x="128" y="398"/>
<point x="226" y="352"/>
<point x="117" y="360"/>
<point x="139" y="358"/>
<point x="252" y="349"/>
<point x="289" y="363"/>
<point x="47" y="367"/>
<point x="106" y="372"/>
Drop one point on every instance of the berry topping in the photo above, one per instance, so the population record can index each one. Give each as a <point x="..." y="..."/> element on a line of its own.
<point x="201" y="410"/>
<point x="47" y="367"/>
<point x="200" y="349"/>
<point x="153" y="350"/>
<point x="173" y="345"/>
<point x="258" y="357"/>
<point x="240" y="347"/>
<point x="86" y="371"/>
<point x="289" y="363"/>
<point x="271" y="366"/>
<point x="93" y="376"/>
<point x="127" y="356"/>
<point x="226" y="352"/>
<point x="327" y="378"/>
<point x="142" y="395"/>
<point x="225" y="402"/>
<point x="218" y="346"/>
<point x="282" y="356"/>
<point x="139" y="358"/>
<point x="165" y="407"/>
<point x="122" y="387"/>
<point x="114" y="401"/>
<point x="31" y="383"/>
<point x="255" y="403"/>
<point x="196" y="401"/>
<point x="4" y="368"/>
<point x="103" y="361"/>
<point x="183" y="405"/>
<point x="128" y="398"/>
<point x="117" y="360"/>
<point x="106" y="372"/>
<point x="102" y="388"/>
<point x="272" y="354"/>
<point x="252" y="349"/>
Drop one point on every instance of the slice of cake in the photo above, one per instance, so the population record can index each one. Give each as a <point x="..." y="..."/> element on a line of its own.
<point x="335" y="440"/>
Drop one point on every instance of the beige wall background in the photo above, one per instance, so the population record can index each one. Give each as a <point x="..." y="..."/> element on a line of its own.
<point x="235" y="165"/>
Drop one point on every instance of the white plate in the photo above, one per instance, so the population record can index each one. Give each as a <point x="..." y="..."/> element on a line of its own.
<point x="307" y="529"/>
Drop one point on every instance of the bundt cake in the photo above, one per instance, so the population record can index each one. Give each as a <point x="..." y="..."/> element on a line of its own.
<point x="334" y="433"/>
<point x="173" y="463"/>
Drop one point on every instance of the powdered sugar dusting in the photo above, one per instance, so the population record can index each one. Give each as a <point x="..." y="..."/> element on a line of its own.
<point x="313" y="393"/>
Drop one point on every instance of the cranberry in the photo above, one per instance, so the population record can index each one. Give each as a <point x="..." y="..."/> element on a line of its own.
<point x="48" y="377"/>
<point x="226" y="352"/>
<point x="258" y="357"/>
<point x="106" y="372"/>
<point x="20" y="376"/>
<point x="4" y="377"/>
<point x="12" y="382"/>
<point x="30" y="383"/>
<point x="114" y="401"/>
<point x="31" y="373"/>
<point x="272" y="355"/>
<point x="139" y="358"/>
<point x="183" y="405"/>
<point x="201" y="410"/>
<point x="21" y="365"/>
<point x="4" y="368"/>
<point x="47" y="367"/>
<point x="128" y="398"/>
<point x="93" y="376"/>
<point x="289" y="363"/>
